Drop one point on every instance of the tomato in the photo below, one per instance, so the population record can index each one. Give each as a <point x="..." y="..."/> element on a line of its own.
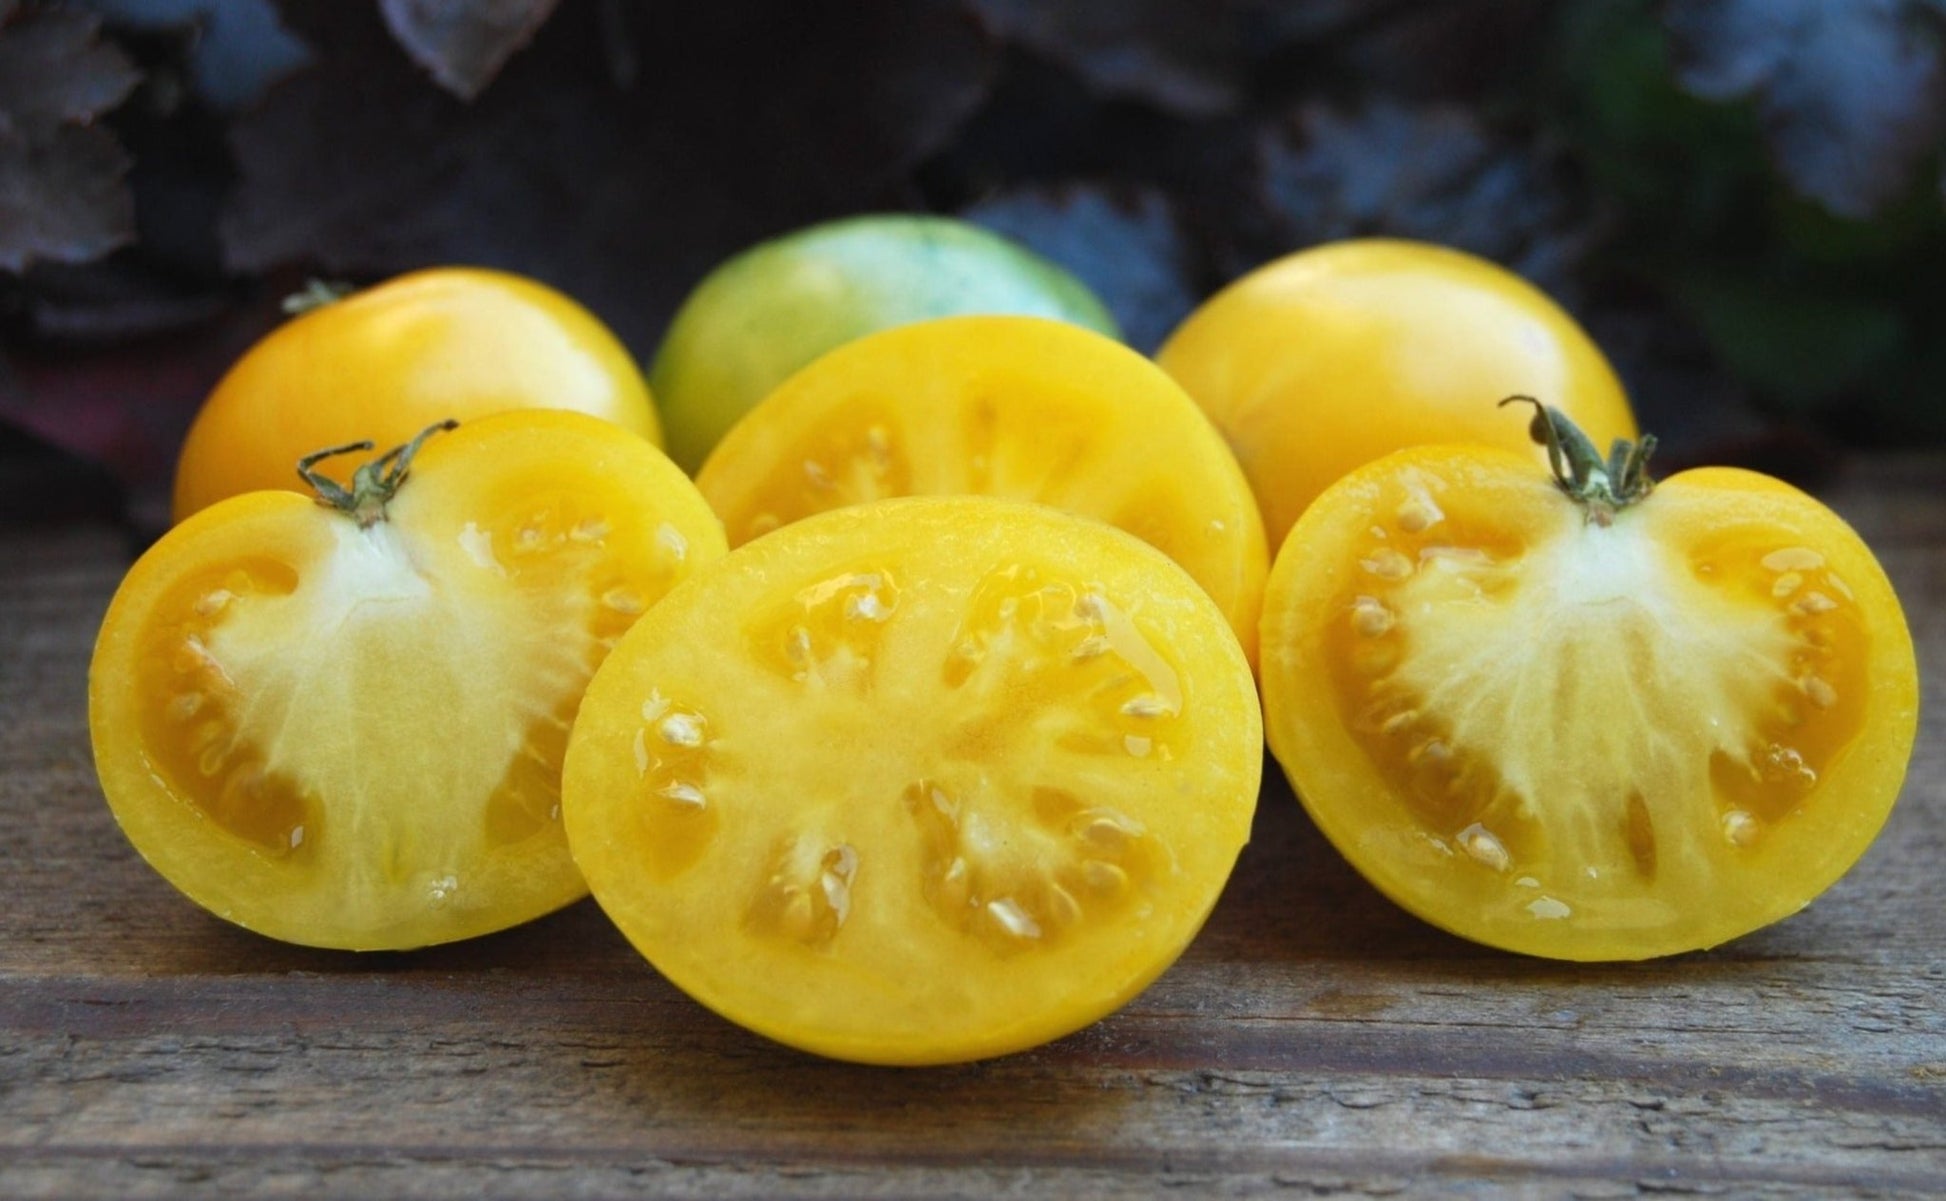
<point x="1341" y="354"/>
<point x="1614" y="727"/>
<point x="918" y="781"/>
<point x="1003" y="406"/>
<point x="384" y="363"/>
<point x="343" y="726"/>
<point x="782" y="303"/>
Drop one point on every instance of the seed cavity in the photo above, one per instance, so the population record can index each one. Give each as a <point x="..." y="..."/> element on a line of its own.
<point x="625" y="601"/>
<point x="1813" y="604"/>
<point x="1483" y="848"/>
<point x="684" y="793"/>
<point x="1741" y="828"/>
<point x="1371" y="618"/>
<point x="807" y="892"/>
<point x="1548" y="909"/>
<point x="1792" y="558"/>
<point x="670" y="539"/>
<point x="1387" y="564"/>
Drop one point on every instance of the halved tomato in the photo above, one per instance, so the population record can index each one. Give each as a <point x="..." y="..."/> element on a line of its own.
<point x="1583" y="719"/>
<point x="343" y="726"/>
<point x="1019" y="407"/>
<point x="918" y="781"/>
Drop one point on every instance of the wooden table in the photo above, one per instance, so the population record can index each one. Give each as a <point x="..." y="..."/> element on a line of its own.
<point x="1314" y="1040"/>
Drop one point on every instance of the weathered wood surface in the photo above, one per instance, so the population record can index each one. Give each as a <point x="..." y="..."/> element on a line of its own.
<point x="1314" y="1040"/>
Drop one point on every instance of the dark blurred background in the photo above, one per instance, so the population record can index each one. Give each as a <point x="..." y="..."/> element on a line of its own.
<point x="1742" y="199"/>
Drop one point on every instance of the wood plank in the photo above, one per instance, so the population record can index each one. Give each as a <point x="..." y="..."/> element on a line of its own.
<point x="1314" y="1039"/>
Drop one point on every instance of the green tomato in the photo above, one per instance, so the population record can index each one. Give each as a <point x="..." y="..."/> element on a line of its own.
<point x="773" y="308"/>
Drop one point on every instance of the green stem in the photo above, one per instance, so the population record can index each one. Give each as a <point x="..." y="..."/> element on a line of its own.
<point x="1603" y="487"/>
<point x="373" y="484"/>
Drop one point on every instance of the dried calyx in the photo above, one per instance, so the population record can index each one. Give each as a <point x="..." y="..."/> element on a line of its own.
<point x="1602" y="487"/>
<point x="374" y="483"/>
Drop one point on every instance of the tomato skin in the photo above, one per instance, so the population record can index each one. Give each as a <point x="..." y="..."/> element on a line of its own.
<point x="775" y="307"/>
<point x="350" y="737"/>
<point x="386" y="362"/>
<point x="919" y="781"/>
<point x="1579" y="741"/>
<point x="1337" y="355"/>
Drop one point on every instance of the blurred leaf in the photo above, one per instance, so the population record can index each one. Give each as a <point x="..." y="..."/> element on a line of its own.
<point x="1173" y="54"/>
<point x="1852" y="95"/>
<point x="62" y="191"/>
<point x="622" y="187"/>
<point x="1126" y="245"/>
<point x="464" y="43"/>
<point x="62" y="199"/>
<point x="1433" y="173"/>
<point x="1798" y="344"/>
<point x="237" y="48"/>
<point x="53" y="71"/>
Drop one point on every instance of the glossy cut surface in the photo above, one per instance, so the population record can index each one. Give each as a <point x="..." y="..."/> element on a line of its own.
<point x="1015" y="407"/>
<point x="919" y="781"/>
<point x="1335" y="356"/>
<point x="352" y="737"/>
<point x="780" y="304"/>
<point x="386" y="362"/>
<point x="1578" y="740"/>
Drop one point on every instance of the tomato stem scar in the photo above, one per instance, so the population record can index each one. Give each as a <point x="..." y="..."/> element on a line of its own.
<point x="1603" y="487"/>
<point x="373" y="483"/>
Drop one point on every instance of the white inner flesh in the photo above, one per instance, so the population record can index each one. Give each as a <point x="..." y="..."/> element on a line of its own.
<point x="1595" y="670"/>
<point x="401" y="713"/>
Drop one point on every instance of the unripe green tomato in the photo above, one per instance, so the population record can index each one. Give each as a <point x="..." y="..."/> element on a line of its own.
<point x="773" y="308"/>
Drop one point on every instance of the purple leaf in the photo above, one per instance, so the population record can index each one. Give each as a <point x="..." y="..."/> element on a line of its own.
<point x="62" y="198"/>
<point x="1851" y="95"/>
<point x="464" y="43"/>
<point x="1173" y="54"/>
<point x="1432" y="173"/>
<point x="620" y="186"/>
<point x="54" y="71"/>
<point x="1127" y="246"/>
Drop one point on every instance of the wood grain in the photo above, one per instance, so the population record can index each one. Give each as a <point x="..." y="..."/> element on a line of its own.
<point x="1314" y="1040"/>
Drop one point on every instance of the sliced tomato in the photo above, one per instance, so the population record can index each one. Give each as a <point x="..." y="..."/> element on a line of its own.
<point x="350" y="735"/>
<point x="918" y="781"/>
<point x="1586" y="735"/>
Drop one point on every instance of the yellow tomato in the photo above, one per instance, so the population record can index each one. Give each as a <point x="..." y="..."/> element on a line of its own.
<point x="918" y="781"/>
<point x="1341" y="354"/>
<point x="1019" y="407"/>
<point x="387" y="362"/>
<point x="1580" y="729"/>
<point x="345" y="729"/>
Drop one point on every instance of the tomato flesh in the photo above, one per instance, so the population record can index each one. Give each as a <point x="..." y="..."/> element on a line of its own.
<point x="918" y="781"/>
<point x="352" y="736"/>
<point x="1583" y="740"/>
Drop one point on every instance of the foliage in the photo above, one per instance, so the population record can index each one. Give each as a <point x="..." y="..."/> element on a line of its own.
<point x="1745" y="194"/>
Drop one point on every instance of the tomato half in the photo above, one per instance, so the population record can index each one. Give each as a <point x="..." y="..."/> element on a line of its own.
<point x="384" y="363"/>
<point x="1581" y="733"/>
<point x="780" y="304"/>
<point x="1343" y="353"/>
<point x="919" y="781"/>
<point x="350" y="735"/>
<point x="1016" y="407"/>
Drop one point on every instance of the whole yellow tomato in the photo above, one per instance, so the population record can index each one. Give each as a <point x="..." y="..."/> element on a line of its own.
<point x="1578" y="717"/>
<point x="1338" y="355"/>
<point x="384" y="363"/>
